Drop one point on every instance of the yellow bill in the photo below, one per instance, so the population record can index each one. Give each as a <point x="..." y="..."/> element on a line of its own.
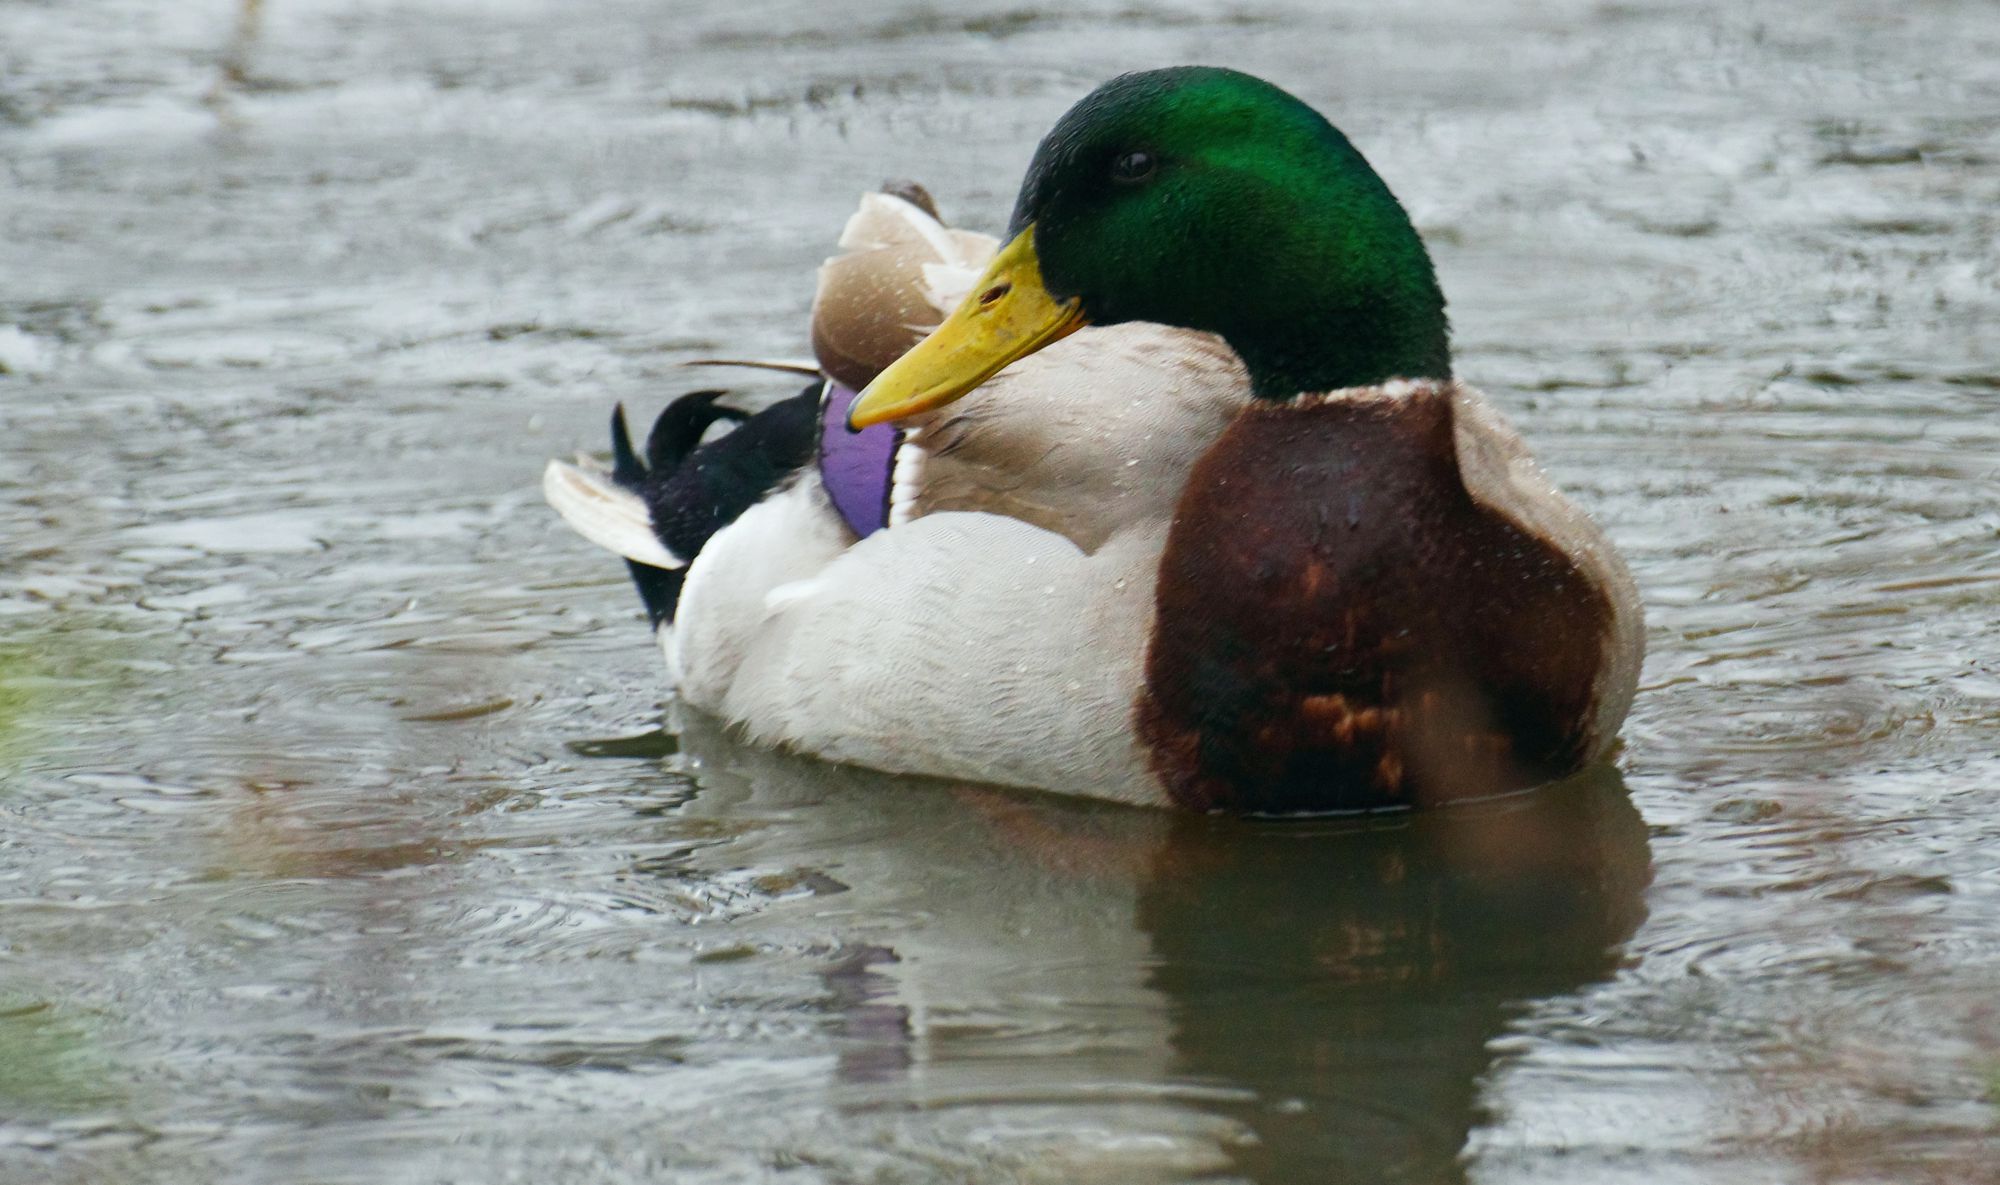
<point x="1009" y="315"/>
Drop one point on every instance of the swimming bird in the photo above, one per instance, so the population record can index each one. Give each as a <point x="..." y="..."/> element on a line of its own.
<point x="1181" y="504"/>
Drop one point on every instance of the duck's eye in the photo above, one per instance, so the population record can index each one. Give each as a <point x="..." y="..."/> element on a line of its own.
<point x="1134" y="167"/>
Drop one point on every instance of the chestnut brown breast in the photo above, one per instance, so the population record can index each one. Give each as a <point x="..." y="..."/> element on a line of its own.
<point x="1340" y="625"/>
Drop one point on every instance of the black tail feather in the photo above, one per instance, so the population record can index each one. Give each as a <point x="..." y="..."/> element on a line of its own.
<point x="659" y="590"/>
<point x="679" y="429"/>
<point x="626" y="467"/>
<point x="704" y="492"/>
<point x="692" y="489"/>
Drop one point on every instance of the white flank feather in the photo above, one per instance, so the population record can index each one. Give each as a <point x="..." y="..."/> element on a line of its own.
<point x="970" y="646"/>
<point x="605" y="513"/>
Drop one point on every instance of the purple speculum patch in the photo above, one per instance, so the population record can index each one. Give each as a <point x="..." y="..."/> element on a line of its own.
<point x="856" y="467"/>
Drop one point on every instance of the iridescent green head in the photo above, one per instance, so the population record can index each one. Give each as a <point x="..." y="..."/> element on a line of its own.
<point x="1207" y="199"/>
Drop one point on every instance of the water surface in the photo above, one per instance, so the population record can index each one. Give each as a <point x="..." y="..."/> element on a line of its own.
<point x="345" y="836"/>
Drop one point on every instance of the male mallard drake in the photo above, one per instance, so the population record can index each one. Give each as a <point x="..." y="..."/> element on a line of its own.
<point x="1302" y="570"/>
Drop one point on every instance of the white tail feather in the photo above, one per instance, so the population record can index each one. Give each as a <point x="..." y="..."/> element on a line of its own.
<point x="608" y="515"/>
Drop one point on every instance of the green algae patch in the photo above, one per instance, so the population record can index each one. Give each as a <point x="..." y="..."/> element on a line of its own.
<point x="77" y="668"/>
<point x="18" y="695"/>
<point x="48" y="1060"/>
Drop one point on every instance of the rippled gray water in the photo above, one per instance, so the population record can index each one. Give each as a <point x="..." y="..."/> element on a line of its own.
<point x="340" y="838"/>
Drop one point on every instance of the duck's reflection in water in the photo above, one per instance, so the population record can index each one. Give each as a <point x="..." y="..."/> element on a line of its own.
<point x="1354" y="976"/>
<point x="1277" y="1000"/>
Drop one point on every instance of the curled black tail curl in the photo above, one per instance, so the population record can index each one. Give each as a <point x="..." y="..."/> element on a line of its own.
<point x="694" y="489"/>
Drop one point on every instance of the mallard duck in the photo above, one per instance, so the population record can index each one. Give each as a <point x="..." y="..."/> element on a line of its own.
<point x="1181" y="503"/>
